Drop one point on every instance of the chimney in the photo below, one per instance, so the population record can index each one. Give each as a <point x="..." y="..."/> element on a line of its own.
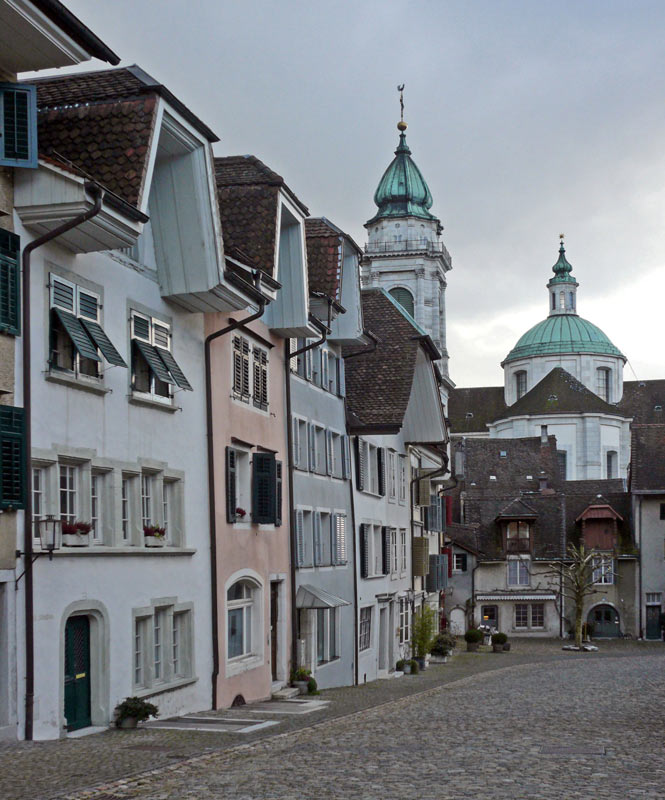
<point x="543" y="434"/>
<point x="542" y="478"/>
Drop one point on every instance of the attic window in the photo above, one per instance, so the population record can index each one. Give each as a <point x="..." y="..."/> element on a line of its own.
<point x="492" y="477"/>
<point x="552" y="398"/>
<point x="503" y="454"/>
<point x="529" y="477"/>
<point x="657" y="408"/>
<point x="469" y="415"/>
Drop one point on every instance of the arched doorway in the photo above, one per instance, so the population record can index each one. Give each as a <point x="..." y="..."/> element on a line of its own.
<point x="458" y="621"/>
<point x="605" y="621"/>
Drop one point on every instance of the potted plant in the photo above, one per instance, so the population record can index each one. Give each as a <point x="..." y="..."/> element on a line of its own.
<point x="312" y="686"/>
<point x="442" y="646"/>
<point x="422" y="634"/>
<point x="240" y="512"/>
<point x="300" y="679"/>
<point x="498" y="641"/>
<point x="132" y="711"/>
<point x="413" y="666"/>
<point x="154" y="536"/>
<point x="76" y="534"/>
<point x="399" y="666"/>
<point x="473" y="637"/>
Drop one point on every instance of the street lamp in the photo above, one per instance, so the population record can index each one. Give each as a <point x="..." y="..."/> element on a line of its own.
<point x="50" y="534"/>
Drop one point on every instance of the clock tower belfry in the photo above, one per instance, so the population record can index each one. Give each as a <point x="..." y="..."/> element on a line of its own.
<point x="405" y="254"/>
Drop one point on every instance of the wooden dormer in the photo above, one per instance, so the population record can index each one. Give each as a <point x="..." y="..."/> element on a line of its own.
<point x="600" y="528"/>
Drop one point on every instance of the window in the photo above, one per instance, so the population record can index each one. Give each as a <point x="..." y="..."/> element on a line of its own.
<point x="162" y="645"/>
<point x="38" y="510"/>
<point x="10" y="304"/>
<point x="392" y="475"/>
<point x="654" y="598"/>
<point x="404" y="620"/>
<point x="404" y="298"/>
<point x="612" y="464"/>
<point x="179" y="634"/>
<point x="333" y="369"/>
<point x="521" y="615"/>
<point x="518" y="572"/>
<point x="18" y="125"/>
<point x="126" y="508"/>
<point x="402" y="538"/>
<point x="459" y="562"/>
<point x="96" y="497"/>
<point x="365" y="628"/>
<point x="402" y="479"/>
<point x="603" y="376"/>
<point x="562" y="461"/>
<point x="393" y="551"/>
<point x="146" y="500"/>
<point x="338" y="534"/>
<point x="326" y="635"/>
<point x="373" y="473"/>
<point x="304" y="538"/>
<point x="140" y="625"/>
<point x="253" y="482"/>
<point x="490" y="616"/>
<point x="603" y="570"/>
<point x="537" y="615"/>
<point x="530" y="616"/>
<point x="318" y="448"/>
<point x="299" y="443"/>
<point x="240" y="601"/>
<point x="518" y="537"/>
<point x="158" y="643"/>
<point x="520" y="383"/>
<point x="68" y="493"/>
<point x="154" y="369"/>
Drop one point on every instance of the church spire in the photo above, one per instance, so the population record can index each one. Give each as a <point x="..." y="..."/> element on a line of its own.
<point x="562" y="288"/>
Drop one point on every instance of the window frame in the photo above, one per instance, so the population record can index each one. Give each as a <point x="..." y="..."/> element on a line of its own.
<point x="364" y="628"/>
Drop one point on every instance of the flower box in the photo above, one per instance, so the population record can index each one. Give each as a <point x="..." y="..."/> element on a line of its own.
<point x="76" y="534"/>
<point x="154" y="536"/>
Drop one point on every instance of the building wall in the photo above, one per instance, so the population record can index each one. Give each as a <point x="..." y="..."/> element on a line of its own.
<point x="259" y="552"/>
<point x="650" y="538"/>
<point x="114" y="582"/>
<point x="459" y="594"/>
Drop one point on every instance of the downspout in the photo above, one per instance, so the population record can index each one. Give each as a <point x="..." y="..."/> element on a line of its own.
<point x="315" y="343"/>
<point x="211" y="481"/>
<point x="563" y="555"/>
<point x="292" y="516"/>
<point x="356" y="650"/>
<point x="641" y="631"/>
<point x="98" y="195"/>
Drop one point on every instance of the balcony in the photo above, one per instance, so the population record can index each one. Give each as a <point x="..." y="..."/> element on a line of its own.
<point x="409" y="246"/>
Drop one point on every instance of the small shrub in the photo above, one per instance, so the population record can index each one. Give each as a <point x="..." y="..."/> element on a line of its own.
<point x="400" y="665"/>
<point x="443" y="644"/>
<point x="414" y="666"/>
<point x="473" y="635"/>
<point x="300" y="674"/>
<point x="312" y="687"/>
<point x="134" y="707"/>
<point x="499" y="638"/>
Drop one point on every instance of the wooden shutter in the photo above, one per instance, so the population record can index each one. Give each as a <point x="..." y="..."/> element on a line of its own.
<point x="157" y="366"/>
<point x="381" y="469"/>
<point x="300" y="538"/>
<point x="360" y="464"/>
<point x="76" y="332"/>
<point x="330" y="453"/>
<point x="433" y="576"/>
<point x="237" y="364"/>
<point x="278" y="492"/>
<point x="340" y="538"/>
<point x="312" y="447"/>
<point x="264" y="488"/>
<point x="293" y="362"/>
<point x="295" y="441"/>
<point x="99" y="337"/>
<point x="385" y="550"/>
<point x="231" y="482"/>
<point x="10" y="298"/>
<point x="420" y="555"/>
<point x="334" y="547"/>
<point x="423" y="497"/>
<point x="463" y="566"/>
<point x="324" y="370"/>
<point x="18" y="125"/>
<point x="171" y="364"/>
<point x="341" y="380"/>
<point x="318" y="556"/>
<point x="364" y="551"/>
<point x="444" y="570"/>
<point x="13" y="486"/>
<point x="245" y="367"/>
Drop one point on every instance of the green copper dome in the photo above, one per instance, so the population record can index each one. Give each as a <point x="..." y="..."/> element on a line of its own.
<point x="562" y="269"/>
<point x="562" y="334"/>
<point x="402" y="190"/>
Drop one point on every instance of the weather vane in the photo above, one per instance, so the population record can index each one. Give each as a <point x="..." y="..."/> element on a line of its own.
<point x="401" y="124"/>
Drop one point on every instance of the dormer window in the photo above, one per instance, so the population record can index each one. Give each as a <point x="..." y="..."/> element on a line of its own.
<point x="520" y="383"/>
<point x="603" y="376"/>
<point x="518" y="537"/>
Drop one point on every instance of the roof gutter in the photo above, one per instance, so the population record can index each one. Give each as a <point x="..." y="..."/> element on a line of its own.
<point x="73" y="27"/>
<point x="98" y="195"/>
<point x="368" y="350"/>
<point x="316" y="342"/>
<point x="211" y="479"/>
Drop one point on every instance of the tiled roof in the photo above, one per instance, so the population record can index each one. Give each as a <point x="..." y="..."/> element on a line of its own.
<point x="644" y="401"/>
<point x="647" y="465"/>
<point x="378" y="385"/>
<point x="89" y="87"/>
<point x="559" y="393"/>
<point x="324" y="257"/>
<point x="463" y="535"/>
<point x="469" y="410"/>
<point x="248" y="194"/>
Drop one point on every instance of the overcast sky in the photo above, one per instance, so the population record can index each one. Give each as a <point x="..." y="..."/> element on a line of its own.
<point x="526" y="118"/>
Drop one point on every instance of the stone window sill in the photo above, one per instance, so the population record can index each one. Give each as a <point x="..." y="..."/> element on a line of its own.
<point x="101" y="550"/>
<point x="73" y="382"/>
<point x="165" y="687"/>
<point x="147" y="402"/>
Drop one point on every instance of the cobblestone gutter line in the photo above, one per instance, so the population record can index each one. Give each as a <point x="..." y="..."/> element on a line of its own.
<point x="116" y="789"/>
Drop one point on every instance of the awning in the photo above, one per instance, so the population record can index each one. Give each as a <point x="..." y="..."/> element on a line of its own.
<point x="534" y="597"/>
<point x="312" y="597"/>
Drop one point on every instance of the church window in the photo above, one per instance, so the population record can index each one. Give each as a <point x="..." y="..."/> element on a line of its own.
<point x="553" y="301"/>
<point x="612" y="471"/>
<point x="571" y="297"/>
<point x="520" y="383"/>
<point x="603" y="390"/>
<point x="562" y="300"/>
<point x="404" y="298"/>
<point x="562" y="460"/>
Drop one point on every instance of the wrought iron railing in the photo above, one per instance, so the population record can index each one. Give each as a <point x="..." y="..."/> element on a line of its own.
<point x="409" y="246"/>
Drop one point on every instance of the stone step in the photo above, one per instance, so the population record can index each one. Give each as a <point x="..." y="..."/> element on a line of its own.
<point x="286" y="693"/>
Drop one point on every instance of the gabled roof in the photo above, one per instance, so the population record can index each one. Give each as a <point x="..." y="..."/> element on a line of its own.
<point x="559" y="393"/>
<point x="644" y="401"/>
<point x="378" y="384"/>
<point x="464" y="536"/>
<point x="599" y="509"/>
<point x="248" y="193"/>
<point x="647" y="459"/>
<point x="517" y="509"/>
<point x="470" y="410"/>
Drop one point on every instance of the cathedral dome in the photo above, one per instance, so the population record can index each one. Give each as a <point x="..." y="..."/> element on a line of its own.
<point x="402" y="190"/>
<point x="561" y="334"/>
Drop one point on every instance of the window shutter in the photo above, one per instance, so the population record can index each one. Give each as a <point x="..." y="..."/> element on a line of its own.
<point x="295" y="441"/>
<point x="385" y="550"/>
<point x="444" y="570"/>
<point x="300" y="538"/>
<point x="312" y="447"/>
<point x="231" y="495"/>
<point x="12" y="451"/>
<point x="157" y="366"/>
<point x="99" y="337"/>
<point x="360" y="464"/>
<point x="237" y="365"/>
<point x="308" y="364"/>
<point x="381" y="469"/>
<point x="423" y="492"/>
<point x="341" y="379"/>
<point x="324" y="370"/>
<point x="317" y="539"/>
<point x="10" y="302"/>
<point x="76" y="332"/>
<point x="346" y="457"/>
<point x="140" y="325"/>
<point x="434" y="575"/>
<point x="278" y="491"/>
<point x="88" y="306"/>
<point x="330" y="454"/>
<point x="245" y="367"/>
<point x="420" y="552"/>
<point x="293" y="362"/>
<point x="463" y="562"/>
<point x="333" y="539"/>
<point x="18" y="125"/>
<point x="172" y="365"/>
<point x="264" y="488"/>
<point x="364" y="551"/>
<point x="340" y="532"/>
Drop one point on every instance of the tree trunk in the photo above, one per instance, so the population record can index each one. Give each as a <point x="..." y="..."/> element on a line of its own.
<point x="578" y="621"/>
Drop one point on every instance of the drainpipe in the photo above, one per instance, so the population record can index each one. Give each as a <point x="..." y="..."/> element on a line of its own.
<point x="641" y="631"/>
<point x="368" y="350"/>
<point x="563" y="554"/>
<point x="211" y="479"/>
<point x="292" y="516"/>
<point x="316" y="343"/>
<point x="356" y="651"/>
<point x="98" y="195"/>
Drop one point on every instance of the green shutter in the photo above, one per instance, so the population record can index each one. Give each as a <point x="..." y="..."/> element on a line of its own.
<point x="231" y="478"/>
<point x="153" y="360"/>
<point x="278" y="508"/>
<point x="10" y="299"/>
<point x="18" y="125"/>
<point x="96" y="333"/>
<point x="264" y="488"/>
<point x="76" y="332"/>
<point x="364" y="551"/>
<point x="12" y="450"/>
<point x="174" y="369"/>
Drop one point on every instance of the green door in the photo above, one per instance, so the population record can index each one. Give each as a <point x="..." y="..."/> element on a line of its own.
<point x="77" y="673"/>
<point x="653" y="622"/>
<point x="605" y="621"/>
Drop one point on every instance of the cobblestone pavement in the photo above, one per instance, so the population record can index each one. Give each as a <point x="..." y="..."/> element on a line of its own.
<point x="485" y="726"/>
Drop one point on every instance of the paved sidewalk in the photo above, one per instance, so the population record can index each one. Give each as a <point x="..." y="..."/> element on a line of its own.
<point x="32" y="771"/>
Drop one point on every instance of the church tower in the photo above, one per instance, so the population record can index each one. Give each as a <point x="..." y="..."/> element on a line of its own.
<point x="405" y="254"/>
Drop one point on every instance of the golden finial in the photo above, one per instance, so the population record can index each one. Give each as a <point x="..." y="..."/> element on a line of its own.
<point x="401" y="125"/>
<point x="561" y="236"/>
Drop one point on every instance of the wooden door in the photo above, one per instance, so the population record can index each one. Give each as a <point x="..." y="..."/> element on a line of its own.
<point x="605" y="621"/>
<point x="653" y="622"/>
<point x="77" y="673"/>
<point x="274" y="618"/>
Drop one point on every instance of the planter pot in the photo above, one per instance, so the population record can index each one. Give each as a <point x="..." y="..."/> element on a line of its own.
<point x="128" y="722"/>
<point x="407" y="669"/>
<point x="472" y="647"/>
<point x="506" y="647"/>
<point x="422" y="663"/>
<point x="75" y="539"/>
<point x="497" y="648"/>
<point x="153" y="541"/>
<point x="301" y="685"/>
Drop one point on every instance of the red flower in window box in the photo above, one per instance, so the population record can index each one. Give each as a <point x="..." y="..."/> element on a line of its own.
<point x="241" y="513"/>
<point x="154" y="530"/>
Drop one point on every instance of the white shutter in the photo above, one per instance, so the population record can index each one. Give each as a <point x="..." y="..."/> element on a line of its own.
<point x="296" y="442"/>
<point x="340" y="538"/>
<point x="341" y="380"/>
<point x="324" y="370"/>
<point x="300" y="538"/>
<point x="317" y="539"/>
<point x="293" y="362"/>
<point x="346" y="457"/>
<point x="330" y="455"/>
<point x="312" y="447"/>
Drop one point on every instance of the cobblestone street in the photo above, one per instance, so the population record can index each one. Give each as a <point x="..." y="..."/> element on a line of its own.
<point x="533" y="723"/>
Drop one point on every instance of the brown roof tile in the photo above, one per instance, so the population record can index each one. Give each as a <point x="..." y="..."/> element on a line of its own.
<point x="469" y="410"/>
<point x="644" y="401"/>
<point x="325" y="252"/>
<point x="647" y="458"/>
